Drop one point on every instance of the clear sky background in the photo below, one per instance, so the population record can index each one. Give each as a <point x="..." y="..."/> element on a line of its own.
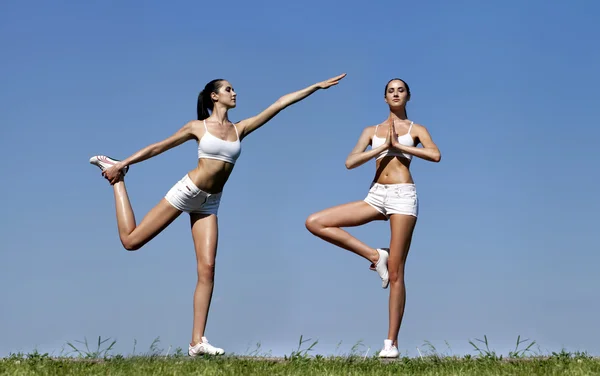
<point x="506" y="243"/>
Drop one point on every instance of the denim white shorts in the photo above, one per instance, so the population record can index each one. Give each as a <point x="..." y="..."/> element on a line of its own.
<point x="187" y="197"/>
<point x="394" y="199"/>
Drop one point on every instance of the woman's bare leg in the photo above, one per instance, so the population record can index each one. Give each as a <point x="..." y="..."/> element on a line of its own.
<point x="402" y="227"/>
<point x="158" y="218"/>
<point x="205" y="232"/>
<point x="326" y="225"/>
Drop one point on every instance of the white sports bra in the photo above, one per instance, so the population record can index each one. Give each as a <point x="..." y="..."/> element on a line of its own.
<point x="212" y="147"/>
<point x="406" y="139"/>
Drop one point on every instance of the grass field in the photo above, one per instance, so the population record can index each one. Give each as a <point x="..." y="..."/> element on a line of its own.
<point x="99" y="361"/>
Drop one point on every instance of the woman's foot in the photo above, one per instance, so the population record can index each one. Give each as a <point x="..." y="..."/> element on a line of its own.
<point x="381" y="266"/>
<point x="389" y="350"/>
<point x="372" y="266"/>
<point x="104" y="162"/>
<point x="203" y="347"/>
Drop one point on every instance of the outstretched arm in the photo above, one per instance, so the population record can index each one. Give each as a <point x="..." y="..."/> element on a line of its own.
<point x="358" y="156"/>
<point x="247" y="126"/>
<point x="429" y="151"/>
<point x="182" y="135"/>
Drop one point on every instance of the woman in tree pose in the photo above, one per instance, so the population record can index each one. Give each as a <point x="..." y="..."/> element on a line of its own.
<point x="392" y="196"/>
<point x="199" y="191"/>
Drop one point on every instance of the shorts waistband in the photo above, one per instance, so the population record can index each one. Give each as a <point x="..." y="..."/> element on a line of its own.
<point x="187" y="180"/>
<point x="394" y="186"/>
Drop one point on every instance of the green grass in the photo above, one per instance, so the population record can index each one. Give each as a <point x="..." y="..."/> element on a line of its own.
<point x="98" y="361"/>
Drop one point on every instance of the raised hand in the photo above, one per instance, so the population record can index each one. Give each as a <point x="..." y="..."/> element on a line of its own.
<point x="331" y="82"/>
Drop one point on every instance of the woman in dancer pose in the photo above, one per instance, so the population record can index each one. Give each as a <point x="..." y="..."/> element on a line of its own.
<point x="392" y="196"/>
<point x="199" y="191"/>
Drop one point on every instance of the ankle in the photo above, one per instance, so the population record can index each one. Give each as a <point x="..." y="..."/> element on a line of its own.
<point x="118" y="186"/>
<point x="374" y="256"/>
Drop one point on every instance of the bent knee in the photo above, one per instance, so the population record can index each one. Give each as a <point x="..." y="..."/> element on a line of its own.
<point x="313" y="223"/>
<point x="131" y="245"/>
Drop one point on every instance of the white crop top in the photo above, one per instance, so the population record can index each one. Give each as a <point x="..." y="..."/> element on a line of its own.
<point x="406" y="139"/>
<point x="212" y="147"/>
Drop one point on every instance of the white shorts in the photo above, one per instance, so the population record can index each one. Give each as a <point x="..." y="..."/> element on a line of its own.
<point x="187" y="197"/>
<point x="393" y="199"/>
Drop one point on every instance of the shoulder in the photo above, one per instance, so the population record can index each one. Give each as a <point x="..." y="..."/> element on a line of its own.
<point x="192" y="124"/>
<point x="420" y="133"/>
<point x="418" y="128"/>
<point x="416" y="125"/>
<point x="366" y="135"/>
<point x="369" y="131"/>
<point x="192" y="129"/>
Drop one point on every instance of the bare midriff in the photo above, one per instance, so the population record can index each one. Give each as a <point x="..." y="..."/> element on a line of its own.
<point x="211" y="174"/>
<point x="393" y="170"/>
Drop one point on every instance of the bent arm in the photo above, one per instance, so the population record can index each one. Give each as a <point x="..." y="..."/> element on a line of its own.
<point x="358" y="156"/>
<point x="429" y="151"/>
<point x="182" y="135"/>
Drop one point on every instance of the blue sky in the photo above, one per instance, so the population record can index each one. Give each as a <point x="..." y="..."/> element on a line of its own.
<point x="506" y="240"/>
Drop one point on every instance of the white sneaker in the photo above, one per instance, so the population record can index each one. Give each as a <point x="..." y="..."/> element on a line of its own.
<point x="204" y="348"/>
<point x="381" y="266"/>
<point x="372" y="266"/>
<point x="105" y="162"/>
<point x="389" y="350"/>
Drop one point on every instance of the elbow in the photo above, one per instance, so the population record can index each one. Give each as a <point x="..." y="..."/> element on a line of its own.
<point x="349" y="165"/>
<point x="437" y="157"/>
<point x="153" y="150"/>
<point x="281" y="103"/>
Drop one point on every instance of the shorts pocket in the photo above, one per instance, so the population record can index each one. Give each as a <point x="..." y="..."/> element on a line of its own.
<point x="188" y="190"/>
<point x="409" y="194"/>
<point x="374" y="188"/>
<point x="406" y="198"/>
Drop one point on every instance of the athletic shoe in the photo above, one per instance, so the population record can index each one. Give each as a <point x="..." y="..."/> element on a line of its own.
<point x="389" y="350"/>
<point x="204" y="348"/>
<point x="105" y="162"/>
<point x="372" y="266"/>
<point x="381" y="266"/>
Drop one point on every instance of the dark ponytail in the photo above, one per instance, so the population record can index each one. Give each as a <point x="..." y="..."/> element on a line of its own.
<point x="407" y="91"/>
<point x="205" y="102"/>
